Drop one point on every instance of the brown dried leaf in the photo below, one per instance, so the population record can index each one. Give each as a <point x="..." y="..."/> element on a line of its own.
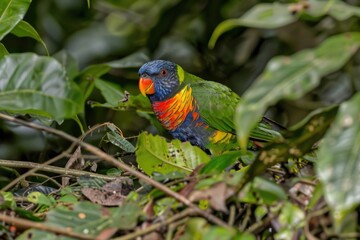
<point x="149" y="209"/>
<point x="216" y="195"/>
<point x="111" y="194"/>
<point x="103" y="197"/>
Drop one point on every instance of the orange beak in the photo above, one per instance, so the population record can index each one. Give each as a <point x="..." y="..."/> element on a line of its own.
<point x="146" y="86"/>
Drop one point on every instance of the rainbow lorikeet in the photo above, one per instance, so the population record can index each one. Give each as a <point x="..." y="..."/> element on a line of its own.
<point x="190" y="108"/>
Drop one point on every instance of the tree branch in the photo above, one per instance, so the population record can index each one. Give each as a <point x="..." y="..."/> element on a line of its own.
<point x="53" y="169"/>
<point x="120" y="165"/>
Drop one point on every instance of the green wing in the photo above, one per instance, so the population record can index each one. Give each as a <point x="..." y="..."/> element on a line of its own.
<point x="217" y="104"/>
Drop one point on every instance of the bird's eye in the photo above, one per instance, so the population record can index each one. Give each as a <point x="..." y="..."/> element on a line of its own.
<point x="163" y="72"/>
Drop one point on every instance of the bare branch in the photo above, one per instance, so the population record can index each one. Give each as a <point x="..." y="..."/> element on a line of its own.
<point x="120" y="165"/>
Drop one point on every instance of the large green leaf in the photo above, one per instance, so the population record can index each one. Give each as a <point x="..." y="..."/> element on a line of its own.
<point x="96" y="218"/>
<point x="31" y="84"/>
<point x="11" y="12"/>
<point x="154" y="154"/>
<point x="110" y="91"/>
<point x="291" y="78"/>
<point x="88" y="218"/>
<point x="275" y="15"/>
<point x="338" y="166"/>
<point x="265" y="15"/>
<point x="24" y="29"/>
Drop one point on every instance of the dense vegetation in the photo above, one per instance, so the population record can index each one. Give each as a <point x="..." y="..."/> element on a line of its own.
<point x="83" y="157"/>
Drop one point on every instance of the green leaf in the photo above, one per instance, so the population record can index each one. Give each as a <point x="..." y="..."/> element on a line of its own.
<point x="3" y="51"/>
<point x="267" y="191"/>
<point x="154" y="154"/>
<point x="127" y="215"/>
<point x="262" y="191"/>
<point x="8" y="200"/>
<point x="276" y="15"/>
<point x="339" y="160"/>
<point x="11" y="12"/>
<point x="265" y="15"/>
<point x="219" y="163"/>
<point x="120" y="141"/>
<point x="116" y="99"/>
<point x="90" y="182"/>
<point x="69" y="198"/>
<point x="291" y="78"/>
<point x="110" y="91"/>
<point x="30" y="84"/>
<point x="85" y="215"/>
<point x="139" y="102"/>
<point x="41" y="199"/>
<point x="24" y="29"/>
<point x="89" y="218"/>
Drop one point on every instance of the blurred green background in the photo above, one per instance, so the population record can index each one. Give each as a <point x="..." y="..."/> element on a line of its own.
<point x="178" y="31"/>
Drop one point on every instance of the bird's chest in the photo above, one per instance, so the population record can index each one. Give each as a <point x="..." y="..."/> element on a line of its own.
<point x="180" y="116"/>
<point x="175" y="111"/>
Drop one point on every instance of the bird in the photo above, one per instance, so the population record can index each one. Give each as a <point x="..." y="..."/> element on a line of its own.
<point x="191" y="108"/>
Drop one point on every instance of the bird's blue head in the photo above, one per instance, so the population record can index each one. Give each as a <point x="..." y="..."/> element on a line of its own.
<point x="160" y="79"/>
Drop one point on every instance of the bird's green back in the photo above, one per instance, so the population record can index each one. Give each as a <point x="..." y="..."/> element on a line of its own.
<point x="217" y="104"/>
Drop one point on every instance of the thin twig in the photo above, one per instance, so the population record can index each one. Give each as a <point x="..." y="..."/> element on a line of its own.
<point x="276" y="171"/>
<point x="121" y="165"/>
<point x="53" y="169"/>
<point x="307" y="220"/>
<point x="232" y="215"/>
<point x="47" y="179"/>
<point x="23" y="223"/>
<point x="307" y="182"/>
<point x="254" y="228"/>
<point x="133" y="235"/>
<point x="33" y="170"/>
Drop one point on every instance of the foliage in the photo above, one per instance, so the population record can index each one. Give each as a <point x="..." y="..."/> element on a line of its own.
<point x="70" y="67"/>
